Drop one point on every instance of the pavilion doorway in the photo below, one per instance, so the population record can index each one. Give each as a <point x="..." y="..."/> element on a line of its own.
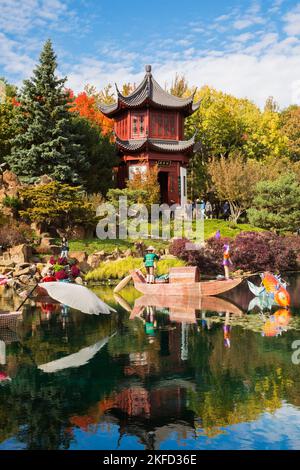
<point x="163" y="180"/>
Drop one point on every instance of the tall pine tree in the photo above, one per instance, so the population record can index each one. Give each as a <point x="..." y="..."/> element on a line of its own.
<point x="46" y="143"/>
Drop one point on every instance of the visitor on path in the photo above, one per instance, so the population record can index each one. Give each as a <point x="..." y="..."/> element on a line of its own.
<point x="202" y="209"/>
<point x="64" y="248"/>
<point x="226" y="210"/>
<point x="150" y="259"/>
<point x="226" y="260"/>
<point x="208" y="210"/>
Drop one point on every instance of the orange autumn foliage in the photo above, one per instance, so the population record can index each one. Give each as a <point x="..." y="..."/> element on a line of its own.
<point x="86" y="107"/>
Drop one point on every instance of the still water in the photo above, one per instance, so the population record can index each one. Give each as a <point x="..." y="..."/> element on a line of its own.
<point x="151" y="376"/>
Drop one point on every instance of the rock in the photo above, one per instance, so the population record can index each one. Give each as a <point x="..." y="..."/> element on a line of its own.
<point x="22" y="266"/>
<point x="20" y="253"/>
<point x="44" y="179"/>
<point x="35" y="259"/>
<point x="22" y="272"/>
<point x="45" y="269"/>
<point x="110" y="258"/>
<point x="11" y="283"/>
<point x="7" y="263"/>
<point x="55" y="250"/>
<point x="47" y="242"/>
<point x="127" y="253"/>
<point x="24" y="279"/>
<point x="7" y="271"/>
<point x="100" y="253"/>
<point x="37" y="277"/>
<point x="79" y="255"/>
<point x="84" y="266"/>
<point x="95" y="260"/>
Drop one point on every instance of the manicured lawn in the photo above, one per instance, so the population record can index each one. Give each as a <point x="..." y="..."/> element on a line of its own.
<point x="227" y="229"/>
<point x="93" y="245"/>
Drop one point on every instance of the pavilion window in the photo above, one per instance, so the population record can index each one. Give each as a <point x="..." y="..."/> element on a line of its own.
<point x="163" y="126"/>
<point x="138" y="125"/>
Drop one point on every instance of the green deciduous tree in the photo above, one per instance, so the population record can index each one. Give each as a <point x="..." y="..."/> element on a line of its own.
<point x="234" y="179"/>
<point x="46" y="143"/>
<point x="276" y="205"/>
<point x="290" y="122"/>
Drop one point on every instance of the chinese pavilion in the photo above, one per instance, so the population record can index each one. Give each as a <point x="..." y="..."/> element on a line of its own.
<point x="149" y="130"/>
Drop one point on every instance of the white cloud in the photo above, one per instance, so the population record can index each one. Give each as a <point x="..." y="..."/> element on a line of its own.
<point x="254" y="64"/>
<point x="292" y="21"/>
<point x="243" y="37"/>
<point x="241" y="74"/>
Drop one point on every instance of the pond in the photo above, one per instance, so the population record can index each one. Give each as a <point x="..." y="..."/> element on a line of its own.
<point x="151" y="376"/>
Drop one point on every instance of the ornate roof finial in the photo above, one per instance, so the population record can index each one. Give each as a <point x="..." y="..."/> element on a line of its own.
<point x="148" y="68"/>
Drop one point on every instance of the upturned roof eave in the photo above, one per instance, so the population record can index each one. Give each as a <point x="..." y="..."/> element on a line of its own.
<point x="136" y="146"/>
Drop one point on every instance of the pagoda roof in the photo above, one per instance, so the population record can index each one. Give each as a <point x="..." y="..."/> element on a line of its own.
<point x="150" y="92"/>
<point x="173" y="146"/>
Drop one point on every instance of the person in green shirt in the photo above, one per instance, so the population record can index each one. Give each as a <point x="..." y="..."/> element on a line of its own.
<point x="149" y="261"/>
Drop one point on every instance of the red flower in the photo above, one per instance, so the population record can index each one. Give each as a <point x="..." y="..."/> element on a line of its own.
<point x="61" y="275"/>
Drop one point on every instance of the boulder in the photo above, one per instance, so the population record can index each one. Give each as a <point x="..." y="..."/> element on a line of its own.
<point x="22" y="272"/>
<point x="127" y="253"/>
<point x="6" y="271"/>
<point x="20" y="253"/>
<point x="84" y="267"/>
<point x="25" y="279"/>
<point x="95" y="259"/>
<point x="20" y="266"/>
<point x="7" y="263"/>
<point x="55" y="250"/>
<point x="79" y="255"/>
<point x="47" y="242"/>
<point x="44" y="179"/>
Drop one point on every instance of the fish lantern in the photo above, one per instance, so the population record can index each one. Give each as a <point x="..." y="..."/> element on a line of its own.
<point x="282" y="297"/>
<point x="282" y="317"/>
<point x="273" y="286"/>
<point x="270" y="328"/>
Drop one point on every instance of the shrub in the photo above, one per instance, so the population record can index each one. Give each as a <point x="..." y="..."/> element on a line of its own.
<point x="250" y="251"/>
<point x="177" y="247"/>
<point x="119" y="268"/>
<point x="13" y="233"/>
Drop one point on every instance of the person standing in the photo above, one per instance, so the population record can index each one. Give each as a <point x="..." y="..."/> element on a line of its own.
<point x="202" y="209"/>
<point x="226" y="210"/>
<point x="208" y="210"/>
<point x="64" y="248"/>
<point x="226" y="260"/>
<point x="150" y="259"/>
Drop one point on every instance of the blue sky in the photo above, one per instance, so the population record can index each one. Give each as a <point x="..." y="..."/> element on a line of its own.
<point x="248" y="48"/>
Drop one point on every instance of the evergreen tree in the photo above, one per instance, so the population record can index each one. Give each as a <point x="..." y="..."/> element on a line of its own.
<point x="276" y="205"/>
<point x="46" y="143"/>
<point x="100" y="154"/>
